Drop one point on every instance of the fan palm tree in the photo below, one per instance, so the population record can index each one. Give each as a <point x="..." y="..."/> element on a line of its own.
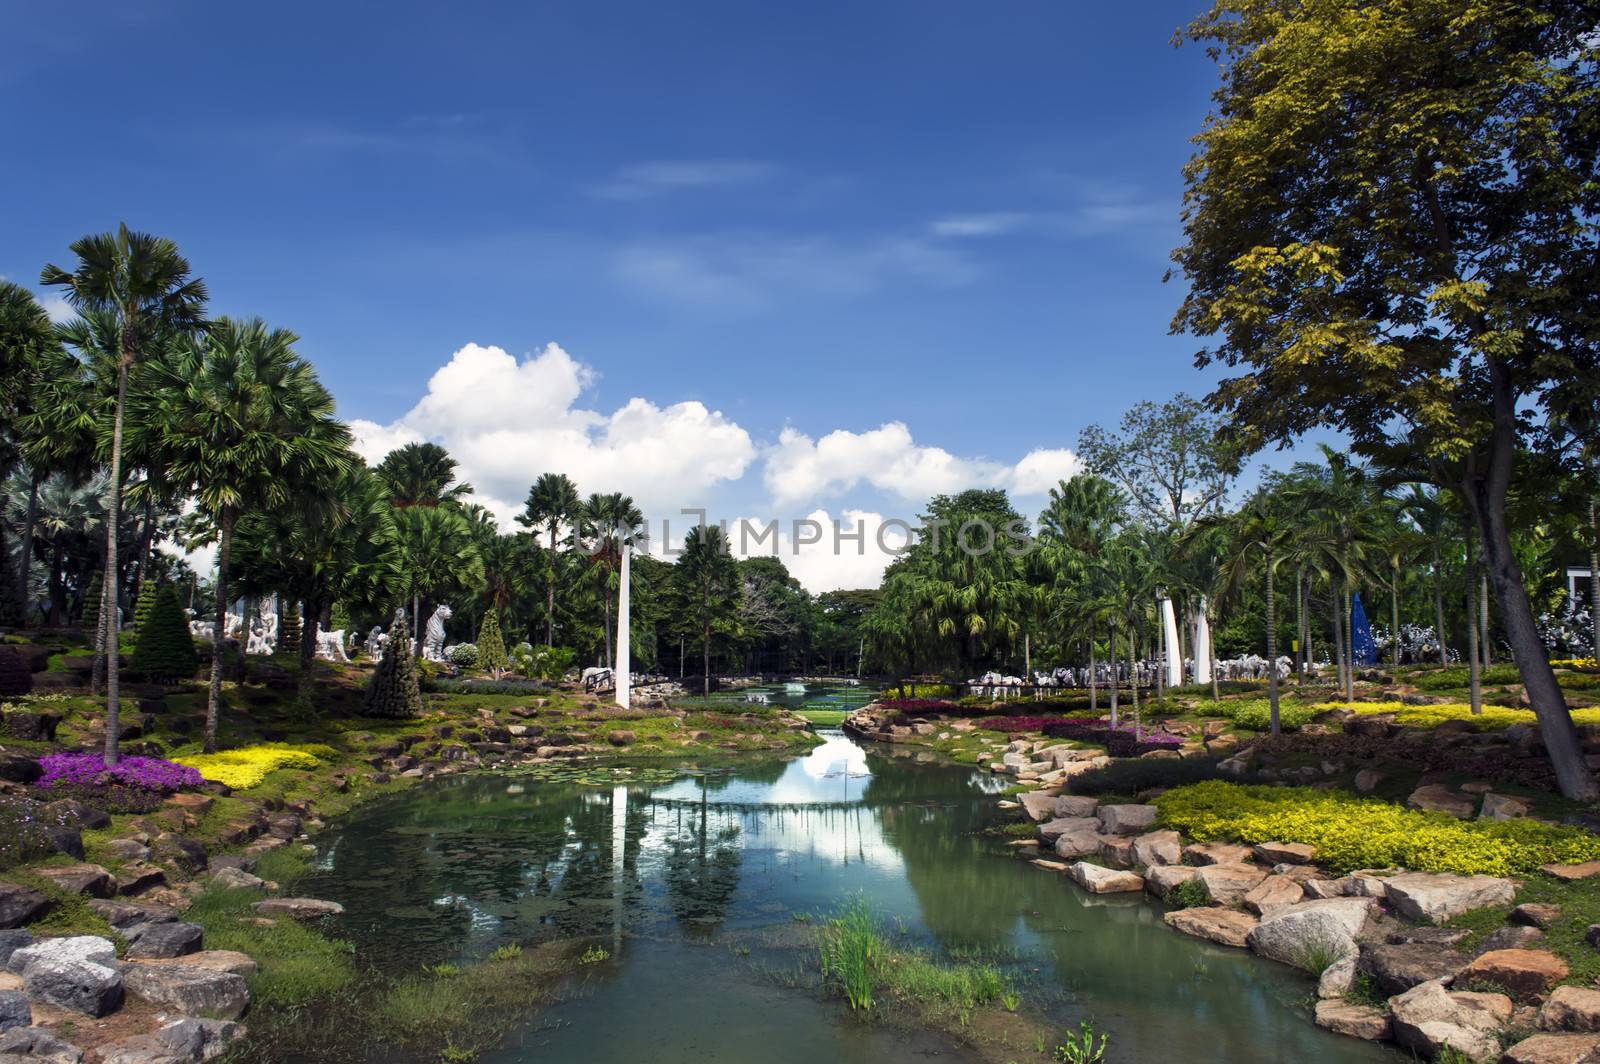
<point x="440" y="556"/>
<point x="1076" y="527"/>
<point x="1259" y="537"/>
<point x="608" y="523"/>
<point x="552" y="500"/>
<point x="245" y="424"/>
<point x="1421" y="504"/>
<point x="421" y="474"/>
<point x="710" y="581"/>
<point x="145" y="283"/>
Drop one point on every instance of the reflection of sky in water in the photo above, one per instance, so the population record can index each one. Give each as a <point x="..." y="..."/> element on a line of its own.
<point x="836" y="771"/>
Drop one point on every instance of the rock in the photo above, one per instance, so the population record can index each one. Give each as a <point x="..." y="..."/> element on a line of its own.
<point x="1157" y="848"/>
<point x="1367" y="781"/>
<point x="1397" y="969"/>
<point x="1227" y="884"/>
<point x="1504" y="807"/>
<point x="1098" y="880"/>
<point x="163" y="940"/>
<point x="1162" y="879"/>
<point x="1433" y="936"/>
<point x="127" y="850"/>
<point x="120" y="914"/>
<point x="1272" y="853"/>
<point x="1313" y="933"/>
<point x="194" y="990"/>
<point x="1272" y="893"/>
<point x="1209" y="853"/>
<point x="20" y="905"/>
<point x="19" y="768"/>
<point x="141" y="1049"/>
<point x="14" y="1010"/>
<point x="1525" y="973"/>
<point x="1355" y="1021"/>
<point x="1079" y="843"/>
<point x="1572" y="872"/>
<point x="1432" y="897"/>
<point x="1126" y="819"/>
<point x="1038" y="805"/>
<point x="79" y="986"/>
<point x="1508" y="938"/>
<point x="184" y="854"/>
<point x="1532" y="914"/>
<point x="10" y="942"/>
<point x="237" y="879"/>
<point x="1116" y="851"/>
<point x="1229" y="927"/>
<point x="1054" y="829"/>
<point x="1324" y="888"/>
<point x="1554" y="1049"/>
<point x="1427" y="1018"/>
<point x="217" y="960"/>
<point x="1076" y="805"/>
<point x="88" y="879"/>
<point x="299" y="908"/>
<point x="135" y="879"/>
<point x="196" y="1039"/>
<point x="35" y="1045"/>
<point x="90" y="948"/>
<point x="1571" y="1008"/>
<point x="1337" y="978"/>
<point x="1441" y="798"/>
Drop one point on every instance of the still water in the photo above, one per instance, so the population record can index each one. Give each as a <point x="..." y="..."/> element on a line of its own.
<point x="700" y="889"/>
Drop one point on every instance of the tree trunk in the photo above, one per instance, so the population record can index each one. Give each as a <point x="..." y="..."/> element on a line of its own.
<point x="1114" y="684"/>
<point x="219" y="646"/>
<point x="146" y="535"/>
<point x="1347" y="618"/>
<point x="108" y="617"/>
<point x="1486" y="498"/>
<point x="1338" y="633"/>
<point x="610" y="661"/>
<point x="705" y="651"/>
<point x="1094" y="688"/>
<point x="1474" y="663"/>
<point x="1272" y="645"/>
<point x="1300" y="623"/>
<point x="310" y="620"/>
<point x="550" y="592"/>
<point x="25" y="560"/>
<point x="1438" y="608"/>
<point x="1394" y="615"/>
<point x="1485" y="647"/>
<point x="1133" y="675"/>
<point x="1211" y="645"/>
<point x="1594" y="573"/>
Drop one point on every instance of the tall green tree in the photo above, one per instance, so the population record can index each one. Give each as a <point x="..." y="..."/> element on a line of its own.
<point x="241" y="420"/>
<point x="1076" y="529"/>
<point x="1259" y="536"/>
<point x="147" y="286"/>
<point x="607" y="523"/>
<point x="709" y="579"/>
<point x="421" y="474"/>
<point x="440" y="557"/>
<point x="552" y="501"/>
<point x="1168" y="457"/>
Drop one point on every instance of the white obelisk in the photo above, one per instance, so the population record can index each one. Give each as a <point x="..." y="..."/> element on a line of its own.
<point x="624" y="665"/>
<point x="1202" y="644"/>
<point x="1169" y="627"/>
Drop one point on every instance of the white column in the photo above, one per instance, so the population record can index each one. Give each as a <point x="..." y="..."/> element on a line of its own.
<point x="624" y="675"/>
<point x="1202" y="644"/>
<point x="1169" y="628"/>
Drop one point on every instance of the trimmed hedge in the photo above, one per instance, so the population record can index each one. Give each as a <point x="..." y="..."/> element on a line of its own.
<point x="164" y="650"/>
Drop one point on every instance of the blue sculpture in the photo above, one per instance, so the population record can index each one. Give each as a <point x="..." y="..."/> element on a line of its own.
<point x="1363" y="650"/>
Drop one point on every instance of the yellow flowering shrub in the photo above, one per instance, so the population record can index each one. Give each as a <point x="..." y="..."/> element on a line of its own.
<point x="1351" y="832"/>
<point x="1577" y="664"/>
<point x="1493" y="718"/>
<point x="247" y="766"/>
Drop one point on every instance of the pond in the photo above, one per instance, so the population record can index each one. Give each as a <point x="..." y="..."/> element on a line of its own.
<point x="700" y="888"/>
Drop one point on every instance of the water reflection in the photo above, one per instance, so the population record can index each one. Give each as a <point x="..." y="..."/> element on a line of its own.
<point x="452" y="870"/>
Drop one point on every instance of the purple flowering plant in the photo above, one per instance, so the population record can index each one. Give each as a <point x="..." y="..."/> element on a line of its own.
<point x="91" y="770"/>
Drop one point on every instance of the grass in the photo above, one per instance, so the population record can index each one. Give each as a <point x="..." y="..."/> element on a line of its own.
<point x="824" y="718"/>
<point x="1579" y="903"/>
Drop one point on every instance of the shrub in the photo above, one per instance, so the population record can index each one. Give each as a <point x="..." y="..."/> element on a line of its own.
<point x="1459" y="676"/>
<point x="487" y="687"/>
<point x="247" y="766"/>
<point x="1120" y="741"/>
<point x="492" y="648"/>
<point x="393" y="692"/>
<point x="28" y="831"/>
<point x="1133" y="775"/>
<point x="464" y="655"/>
<point x="152" y="773"/>
<point x="1492" y="718"/>
<point x="1351" y="833"/>
<point x="164" y="650"/>
<point x="544" y="662"/>
<point x="920" y="690"/>
<point x="1255" y="714"/>
<point x="89" y="616"/>
<point x="1017" y="724"/>
<point x="1577" y="664"/>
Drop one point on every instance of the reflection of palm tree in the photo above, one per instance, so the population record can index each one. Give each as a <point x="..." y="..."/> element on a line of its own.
<point x="702" y="870"/>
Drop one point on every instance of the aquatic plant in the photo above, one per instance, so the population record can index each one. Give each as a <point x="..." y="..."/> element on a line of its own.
<point x="1082" y="1047"/>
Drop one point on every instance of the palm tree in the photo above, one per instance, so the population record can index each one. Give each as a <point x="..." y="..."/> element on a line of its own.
<point x="1076" y="528"/>
<point x="710" y="581"/>
<point x="1259" y="535"/>
<point x="421" y="474"/>
<point x="28" y="345"/>
<point x="1422" y="505"/>
<point x="244" y="422"/>
<point x="441" y="555"/>
<point x="552" y="500"/>
<point x="146" y="285"/>
<point x="606" y="524"/>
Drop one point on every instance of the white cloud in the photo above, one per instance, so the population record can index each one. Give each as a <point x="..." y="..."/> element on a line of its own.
<point x="58" y="309"/>
<point x="823" y="551"/>
<point x="644" y="180"/>
<point x="507" y="420"/>
<point x="801" y="469"/>
<point x="994" y="223"/>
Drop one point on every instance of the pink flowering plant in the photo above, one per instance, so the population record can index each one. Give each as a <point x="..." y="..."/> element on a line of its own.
<point x="132" y="785"/>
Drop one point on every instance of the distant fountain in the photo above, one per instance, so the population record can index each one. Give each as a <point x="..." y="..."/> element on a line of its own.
<point x="794" y="688"/>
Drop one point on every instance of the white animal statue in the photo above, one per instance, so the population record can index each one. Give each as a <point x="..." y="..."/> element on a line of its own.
<point x="433" y="637"/>
<point x="330" y="646"/>
<point x="375" y="640"/>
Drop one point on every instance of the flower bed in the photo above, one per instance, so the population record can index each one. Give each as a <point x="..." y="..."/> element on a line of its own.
<point x="248" y="766"/>
<point x="1120" y="741"/>
<point x="1492" y="718"/>
<point x="132" y="785"/>
<point x="1577" y="664"/>
<point x="1017" y="724"/>
<point x="1351" y="833"/>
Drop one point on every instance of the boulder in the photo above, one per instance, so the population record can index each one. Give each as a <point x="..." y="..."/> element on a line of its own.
<point x="1312" y="933"/>
<point x="1116" y="851"/>
<point x="1038" y="805"/>
<point x="170" y="939"/>
<point x="1526" y="973"/>
<point x="1054" y="829"/>
<point x="1571" y="1008"/>
<point x="1432" y="897"/>
<point x="79" y="986"/>
<point x="1442" y="798"/>
<point x="1427" y="1018"/>
<point x="141" y="1049"/>
<point x="1228" y="883"/>
<point x="1228" y="927"/>
<point x="88" y="879"/>
<point x="237" y="879"/>
<point x="1398" y="968"/>
<point x="14" y="1010"/>
<point x="1504" y="807"/>
<point x="1571" y="872"/>
<point x="192" y="990"/>
<point x="36" y="1045"/>
<point x="1126" y="819"/>
<point x="1272" y="853"/>
<point x="19" y="768"/>
<point x="120" y="914"/>
<point x="217" y="960"/>
<point x="1076" y="805"/>
<point x="127" y="849"/>
<point x="1098" y="880"/>
<point x="196" y="1039"/>
<point x="1209" y="853"/>
<point x="184" y="854"/>
<point x="1157" y="848"/>
<point x="1355" y="1021"/>
<point x="1078" y="843"/>
<point x="10" y="942"/>
<point x="1533" y="914"/>
<point x="1521" y="937"/>
<point x="1367" y="781"/>
<point x="298" y="908"/>
<point x="1272" y="893"/>
<point x="1554" y="1049"/>
<point x="90" y="948"/>
<point x="1338" y="978"/>
<point x="1162" y="879"/>
<point x="20" y="905"/>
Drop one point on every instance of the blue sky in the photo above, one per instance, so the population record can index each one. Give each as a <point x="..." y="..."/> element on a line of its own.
<point x="809" y="219"/>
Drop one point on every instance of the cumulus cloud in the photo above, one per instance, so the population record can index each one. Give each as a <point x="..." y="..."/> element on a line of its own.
<point x="800" y="468"/>
<point x="507" y="420"/>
